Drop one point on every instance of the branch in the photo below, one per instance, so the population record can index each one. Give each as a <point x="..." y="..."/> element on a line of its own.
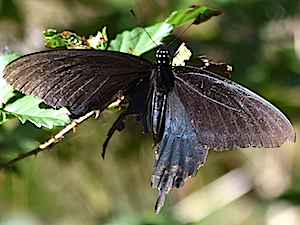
<point x="50" y="142"/>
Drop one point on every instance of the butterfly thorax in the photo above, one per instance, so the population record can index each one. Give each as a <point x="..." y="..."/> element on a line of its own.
<point x="163" y="77"/>
<point x="163" y="82"/>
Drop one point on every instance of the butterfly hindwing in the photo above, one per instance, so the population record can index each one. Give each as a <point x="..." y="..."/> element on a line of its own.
<point x="179" y="154"/>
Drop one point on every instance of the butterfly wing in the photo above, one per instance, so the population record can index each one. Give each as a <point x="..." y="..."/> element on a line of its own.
<point x="206" y="111"/>
<point x="179" y="154"/>
<point x="226" y="115"/>
<point x="81" y="80"/>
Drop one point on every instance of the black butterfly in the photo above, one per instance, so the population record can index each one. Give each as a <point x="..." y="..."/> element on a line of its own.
<point x="188" y="109"/>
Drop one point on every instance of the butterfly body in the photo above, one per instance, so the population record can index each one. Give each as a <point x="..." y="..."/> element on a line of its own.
<point x="162" y="82"/>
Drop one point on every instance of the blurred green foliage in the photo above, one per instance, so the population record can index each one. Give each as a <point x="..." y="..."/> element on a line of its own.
<point x="71" y="184"/>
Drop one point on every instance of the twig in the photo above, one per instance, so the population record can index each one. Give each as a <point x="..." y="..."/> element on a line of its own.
<point x="50" y="142"/>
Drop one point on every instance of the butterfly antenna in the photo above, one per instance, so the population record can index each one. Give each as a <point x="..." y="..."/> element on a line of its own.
<point x="196" y="21"/>
<point x="142" y="26"/>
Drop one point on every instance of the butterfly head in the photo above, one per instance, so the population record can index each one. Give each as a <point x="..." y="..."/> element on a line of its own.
<point x="163" y="56"/>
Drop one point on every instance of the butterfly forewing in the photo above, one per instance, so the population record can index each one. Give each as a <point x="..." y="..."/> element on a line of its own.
<point x="226" y="115"/>
<point x="79" y="79"/>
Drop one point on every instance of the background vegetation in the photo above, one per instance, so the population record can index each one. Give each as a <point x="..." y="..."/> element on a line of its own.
<point x="71" y="184"/>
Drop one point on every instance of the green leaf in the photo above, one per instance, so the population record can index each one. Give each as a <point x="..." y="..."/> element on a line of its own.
<point x="27" y="108"/>
<point x="138" y="40"/>
<point x="181" y="16"/>
<point x="6" y="91"/>
<point x="68" y="39"/>
<point x="3" y="117"/>
<point x="6" y="56"/>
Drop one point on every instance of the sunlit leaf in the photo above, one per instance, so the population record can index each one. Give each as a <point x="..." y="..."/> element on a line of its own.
<point x="27" y="108"/>
<point x="6" y="91"/>
<point x="138" y="40"/>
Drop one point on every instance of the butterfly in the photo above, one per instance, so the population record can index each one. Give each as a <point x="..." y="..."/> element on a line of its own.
<point x="188" y="109"/>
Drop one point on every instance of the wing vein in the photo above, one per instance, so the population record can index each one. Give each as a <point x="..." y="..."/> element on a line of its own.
<point x="204" y="96"/>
